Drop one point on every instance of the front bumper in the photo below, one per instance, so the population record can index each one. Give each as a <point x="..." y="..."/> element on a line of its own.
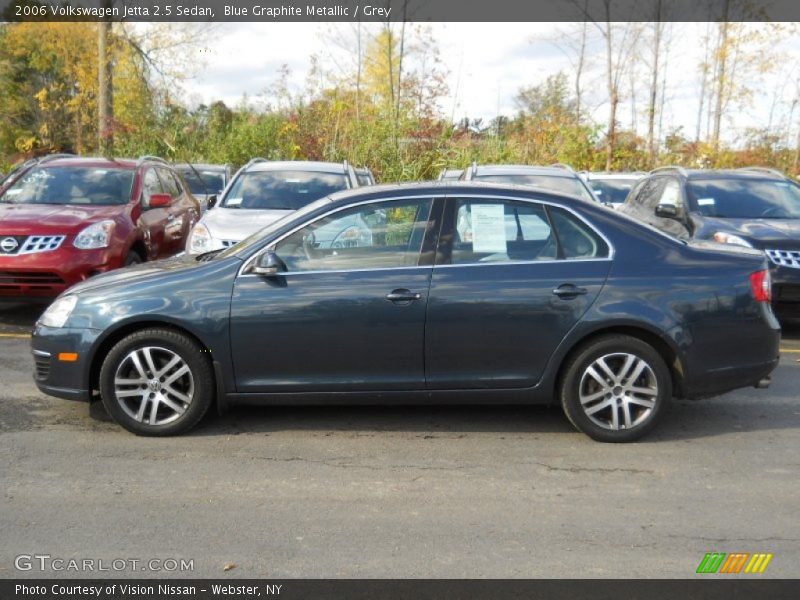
<point x="70" y="379"/>
<point x="47" y="274"/>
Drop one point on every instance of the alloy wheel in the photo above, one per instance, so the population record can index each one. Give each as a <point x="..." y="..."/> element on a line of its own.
<point x="618" y="391"/>
<point x="153" y="385"/>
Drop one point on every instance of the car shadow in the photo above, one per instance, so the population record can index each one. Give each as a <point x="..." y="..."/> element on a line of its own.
<point x="685" y="420"/>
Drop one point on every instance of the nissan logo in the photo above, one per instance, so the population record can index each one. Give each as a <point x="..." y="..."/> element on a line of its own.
<point x="8" y="245"/>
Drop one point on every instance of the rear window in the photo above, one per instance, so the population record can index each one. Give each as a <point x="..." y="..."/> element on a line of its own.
<point x="613" y="191"/>
<point x="209" y="182"/>
<point x="71" y="185"/>
<point x="550" y="183"/>
<point x="282" y="190"/>
<point x="746" y="198"/>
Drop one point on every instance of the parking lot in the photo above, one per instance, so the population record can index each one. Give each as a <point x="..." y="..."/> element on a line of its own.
<point x="399" y="492"/>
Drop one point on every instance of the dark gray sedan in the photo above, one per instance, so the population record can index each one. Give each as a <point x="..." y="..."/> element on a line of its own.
<point x="461" y="292"/>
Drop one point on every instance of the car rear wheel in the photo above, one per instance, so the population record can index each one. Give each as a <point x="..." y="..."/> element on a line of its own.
<point x="157" y="382"/>
<point x="615" y="389"/>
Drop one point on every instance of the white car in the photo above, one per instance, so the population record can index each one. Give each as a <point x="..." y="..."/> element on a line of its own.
<point x="264" y="191"/>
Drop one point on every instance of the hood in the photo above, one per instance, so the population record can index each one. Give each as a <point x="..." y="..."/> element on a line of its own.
<point x="33" y="219"/>
<point x="762" y="233"/>
<point x="141" y="272"/>
<point x="238" y="223"/>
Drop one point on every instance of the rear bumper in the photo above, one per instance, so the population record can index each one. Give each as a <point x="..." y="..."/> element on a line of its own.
<point x="47" y="274"/>
<point x="725" y="380"/>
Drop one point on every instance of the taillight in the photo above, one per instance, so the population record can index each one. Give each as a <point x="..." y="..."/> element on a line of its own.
<point x="761" y="285"/>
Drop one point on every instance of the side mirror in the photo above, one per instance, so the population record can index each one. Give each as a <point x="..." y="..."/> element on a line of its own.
<point x="667" y="211"/>
<point x="159" y="201"/>
<point x="211" y="201"/>
<point x="268" y="264"/>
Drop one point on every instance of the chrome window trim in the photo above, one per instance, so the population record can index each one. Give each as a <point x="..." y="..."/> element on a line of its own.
<point x="272" y="244"/>
<point x="447" y="195"/>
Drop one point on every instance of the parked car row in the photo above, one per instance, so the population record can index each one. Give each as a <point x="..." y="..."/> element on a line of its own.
<point x="304" y="282"/>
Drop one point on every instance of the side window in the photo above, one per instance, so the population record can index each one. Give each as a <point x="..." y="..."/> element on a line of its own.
<point x="671" y="194"/>
<point x="498" y="231"/>
<point x="168" y="183"/>
<point x="151" y="184"/>
<point x="576" y="239"/>
<point x="382" y="235"/>
<point x="651" y="193"/>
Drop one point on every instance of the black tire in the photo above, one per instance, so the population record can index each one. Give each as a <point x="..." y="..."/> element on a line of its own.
<point x="615" y="395"/>
<point x="133" y="258"/>
<point x="161" y="345"/>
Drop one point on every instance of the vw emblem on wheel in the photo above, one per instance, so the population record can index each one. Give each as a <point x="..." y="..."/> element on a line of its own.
<point x="8" y="245"/>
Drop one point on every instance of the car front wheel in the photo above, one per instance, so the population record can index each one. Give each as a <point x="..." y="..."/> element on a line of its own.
<point x="616" y="389"/>
<point x="157" y="382"/>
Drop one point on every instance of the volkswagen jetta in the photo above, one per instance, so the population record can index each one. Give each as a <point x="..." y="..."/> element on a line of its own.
<point x="462" y="292"/>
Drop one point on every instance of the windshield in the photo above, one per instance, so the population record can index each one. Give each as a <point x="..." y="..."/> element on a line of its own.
<point x="613" y="191"/>
<point x="282" y="190"/>
<point x="99" y="186"/>
<point x="746" y="198"/>
<point x="551" y="183"/>
<point x="212" y="182"/>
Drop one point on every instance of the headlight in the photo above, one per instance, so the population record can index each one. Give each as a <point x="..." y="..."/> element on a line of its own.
<point x="97" y="235"/>
<point x="728" y="238"/>
<point x="59" y="311"/>
<point x="200" y="240"/>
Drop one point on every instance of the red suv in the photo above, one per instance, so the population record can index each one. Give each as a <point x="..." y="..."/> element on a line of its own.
<point x="63" y="220"/>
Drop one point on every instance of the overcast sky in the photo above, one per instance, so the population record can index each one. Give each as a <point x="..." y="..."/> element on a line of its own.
<point x="487" y="63"/>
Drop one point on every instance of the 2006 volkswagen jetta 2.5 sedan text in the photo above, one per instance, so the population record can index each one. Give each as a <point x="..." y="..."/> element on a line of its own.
<point x="445" y="292"/>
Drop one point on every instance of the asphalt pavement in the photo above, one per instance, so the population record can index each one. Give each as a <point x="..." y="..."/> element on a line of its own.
<point x="396" y="491"/>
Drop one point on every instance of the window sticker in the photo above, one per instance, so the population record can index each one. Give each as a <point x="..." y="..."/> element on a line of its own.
<point x="488" y="228"/>
<point x="234" y="202"/>
<point x="706" y="202"/>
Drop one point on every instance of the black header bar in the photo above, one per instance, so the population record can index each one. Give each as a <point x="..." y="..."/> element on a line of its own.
<point x="400" y="10"/>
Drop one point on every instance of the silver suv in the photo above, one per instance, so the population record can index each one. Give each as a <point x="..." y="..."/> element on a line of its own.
<point x="557" y="178"/>
<point x="262" y="192"/>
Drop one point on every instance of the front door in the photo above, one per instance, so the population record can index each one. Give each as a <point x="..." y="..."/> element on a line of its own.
<point x="348" y="311"/>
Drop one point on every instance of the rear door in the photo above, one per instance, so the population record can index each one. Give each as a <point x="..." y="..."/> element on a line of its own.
<point x="179" y="217"/>
<point x="512" y="277"/>
<point x="153" y="221"/>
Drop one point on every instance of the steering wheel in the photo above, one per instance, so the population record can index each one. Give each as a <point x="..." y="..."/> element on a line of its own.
<point x="777" y="211"/>
<point x="308" y="247"/>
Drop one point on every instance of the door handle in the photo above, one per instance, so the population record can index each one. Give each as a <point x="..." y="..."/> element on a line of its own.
<point x="403" y="295"/>
<point x="569" y="290"/>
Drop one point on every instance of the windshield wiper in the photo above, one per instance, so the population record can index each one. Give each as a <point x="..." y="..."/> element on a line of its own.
<point x="206" y="256"/>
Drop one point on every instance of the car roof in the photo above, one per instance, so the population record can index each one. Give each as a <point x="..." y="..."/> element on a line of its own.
<point x="438" y="189"/>
<point x="201" y="166"/>
<point x="483" y="170"/>
<point x="90" y="161"/>
<point x="603" y="175"/>
<point x="699" y="174"/>
<point x="754" y="173"/>
<point x="298" y="165"/>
